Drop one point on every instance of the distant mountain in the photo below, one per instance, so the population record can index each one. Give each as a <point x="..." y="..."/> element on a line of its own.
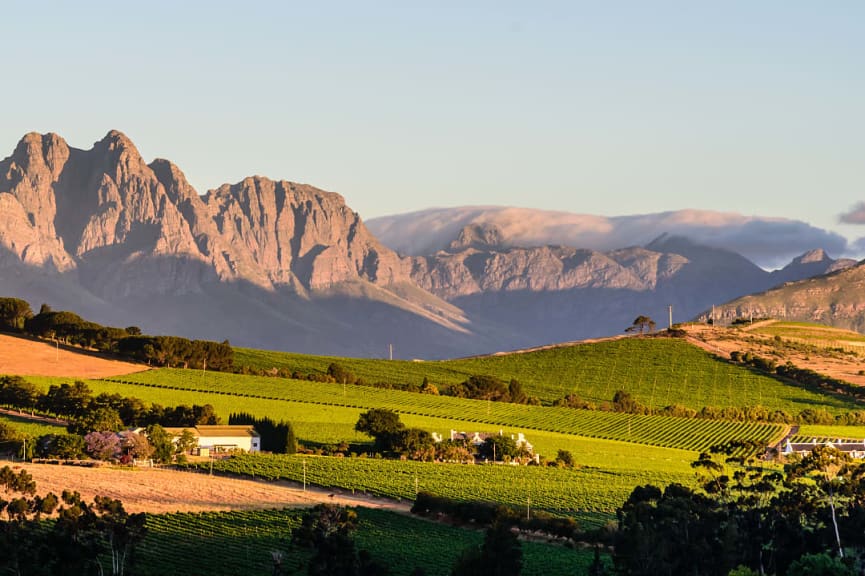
<point x="836" y="299"/>
<point x="553" y="293"/>
<point x="770" y="242"/>
<point x="264" y="263"/>
<point x="280" y="265"/>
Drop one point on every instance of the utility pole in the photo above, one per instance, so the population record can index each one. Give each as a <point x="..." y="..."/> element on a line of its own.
<point x="304" y="475"/>
<point x="528" y="508"/>
<point x="415" y="484"/>
<point x="670" y="308"/>
<point x="390" y="351"/>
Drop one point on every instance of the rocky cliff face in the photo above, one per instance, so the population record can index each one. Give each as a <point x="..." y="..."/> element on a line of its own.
<point x="107" y="211"/>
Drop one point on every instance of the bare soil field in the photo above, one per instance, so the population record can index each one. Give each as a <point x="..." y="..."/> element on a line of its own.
<point x="722" y="341"/>
<point x="25" y="357"/>
<point x="160" y="491"/>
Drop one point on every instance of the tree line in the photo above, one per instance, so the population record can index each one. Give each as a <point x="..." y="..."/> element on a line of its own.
<point x="69" y="328"/>
<point x="84" y="538"/>
<point x="745" y="519"/>
<point x="276" y="437"/>
<point x="391" y="438"/>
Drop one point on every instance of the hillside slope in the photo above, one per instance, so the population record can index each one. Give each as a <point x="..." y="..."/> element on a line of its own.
<point x="835" y="299"/>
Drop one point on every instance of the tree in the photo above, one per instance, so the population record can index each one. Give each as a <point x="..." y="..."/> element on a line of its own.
<point x="136" y="446"/>
<point x="515" y="392"/>
<point x="383" y="425"/>
<point x="340" y="374"/>
<point x="497" y="447"/>
<point x="67" y="400"/>
<point x="161" y="442"/>
<point x="328" y="530"/>
<point x="819" y="565"/>
<point x="641" y="323"/>
<point x="823" y="464"/>
<point x="102" y="445"/>
<point x="65" y="446"/>
<point x="21" y="533"/>
<point x="565" y="459"/>
<point x="625" y="402"/>
<point x="14" y="313"/>
<point x="18" y="392"/>
<point x="98" y="420"/>
<point x="500" y="555"/>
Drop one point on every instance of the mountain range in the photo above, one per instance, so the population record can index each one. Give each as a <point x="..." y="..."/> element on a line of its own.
<point x="280" y="265"/>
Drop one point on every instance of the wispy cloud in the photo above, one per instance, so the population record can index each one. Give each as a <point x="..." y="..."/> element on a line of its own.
<point x="855" y="215"/>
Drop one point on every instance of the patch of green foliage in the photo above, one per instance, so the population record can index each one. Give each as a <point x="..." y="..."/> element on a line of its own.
<point x="30" y="428"/>
<point x="229" y="543"/>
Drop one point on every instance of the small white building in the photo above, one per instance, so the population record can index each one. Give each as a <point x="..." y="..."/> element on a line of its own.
<point x="853" y="448"/>
<point x="225" y="438"/>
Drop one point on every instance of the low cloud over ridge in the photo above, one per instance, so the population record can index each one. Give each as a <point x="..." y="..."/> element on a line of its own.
<point x="769" y="242"/>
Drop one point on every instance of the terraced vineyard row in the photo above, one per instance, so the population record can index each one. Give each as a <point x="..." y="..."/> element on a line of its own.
<point x="657" y="371"/>
<point x="689" y="434"/>
<point x="556" y="490"/>
<point x="231" y="543"/>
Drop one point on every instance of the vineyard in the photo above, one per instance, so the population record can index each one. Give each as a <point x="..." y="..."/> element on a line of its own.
<point x="657" y="371"/>
<point x="30" y="428"/>
<point x="231" y="543"/>
<point x="687" y="434"/>
<point x="819" y="431"/>
<point x="560" y="491"/>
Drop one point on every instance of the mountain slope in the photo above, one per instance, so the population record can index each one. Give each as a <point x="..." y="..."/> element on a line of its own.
<point x="836" y="299"/>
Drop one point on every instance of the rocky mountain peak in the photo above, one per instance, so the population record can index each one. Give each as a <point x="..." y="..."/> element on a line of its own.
<point x="479" y="237"/>
<point x="812" y="256"/>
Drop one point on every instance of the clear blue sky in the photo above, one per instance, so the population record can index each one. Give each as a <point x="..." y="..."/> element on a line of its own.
<point x="592" y="107"/>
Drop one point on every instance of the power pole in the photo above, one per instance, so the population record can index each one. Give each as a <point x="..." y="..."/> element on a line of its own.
<point x="670" y="308"/>
<point x="528" y="508"/>
<point x="390" y="351"/>
<point x="304" y="475"/>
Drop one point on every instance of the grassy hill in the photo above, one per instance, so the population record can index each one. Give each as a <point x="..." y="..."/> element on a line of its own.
<point x="657" y="371"/>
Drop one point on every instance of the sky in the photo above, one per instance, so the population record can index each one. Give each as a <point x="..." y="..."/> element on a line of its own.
<point x="607" y="108"/>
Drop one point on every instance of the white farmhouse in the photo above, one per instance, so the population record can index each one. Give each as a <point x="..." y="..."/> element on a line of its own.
<point x="224" y="438"/>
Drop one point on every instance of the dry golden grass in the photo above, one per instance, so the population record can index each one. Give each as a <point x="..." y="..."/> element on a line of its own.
<point x="160" y="491"/>
<point x="723" y="341"/>
<point x="25" y="357"/>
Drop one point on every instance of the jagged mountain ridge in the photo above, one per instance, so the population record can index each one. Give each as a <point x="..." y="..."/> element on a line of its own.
<point x="276" y="264"/>
<point x="73" y="206"/>
<point x="558" y="291"/>
<point x="117" y="233"/>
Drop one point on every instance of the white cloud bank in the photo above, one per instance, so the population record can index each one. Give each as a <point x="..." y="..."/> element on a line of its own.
<point x="769" y="242"/>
